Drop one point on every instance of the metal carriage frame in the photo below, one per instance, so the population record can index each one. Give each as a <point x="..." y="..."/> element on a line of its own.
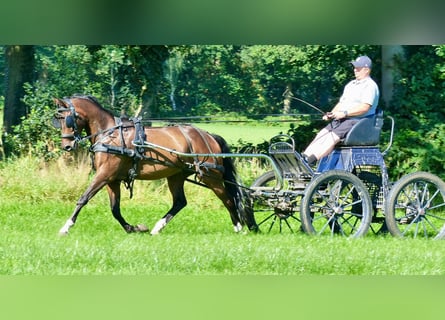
<point x="349" y="192"/>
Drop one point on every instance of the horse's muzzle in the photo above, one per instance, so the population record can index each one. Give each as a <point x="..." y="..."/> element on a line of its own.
<point x="72" y="145"/>
<point x="69" y="142"/>
<point x="68" y="148"/>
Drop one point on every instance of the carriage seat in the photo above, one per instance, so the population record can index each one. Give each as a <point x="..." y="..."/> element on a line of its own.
<point x="366" y="132"/>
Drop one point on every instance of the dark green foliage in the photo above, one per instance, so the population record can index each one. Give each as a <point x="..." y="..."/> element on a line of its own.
<point x="234" y="82"/>
<point x="418" y="108"/>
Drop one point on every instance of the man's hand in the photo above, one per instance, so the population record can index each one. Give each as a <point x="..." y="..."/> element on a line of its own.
<point x="328" y="116"/>
<point x="337" y="115"/>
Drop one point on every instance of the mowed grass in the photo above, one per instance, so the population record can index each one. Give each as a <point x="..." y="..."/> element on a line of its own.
<point x="245" y="132"/>
<point x="36" y="200"/>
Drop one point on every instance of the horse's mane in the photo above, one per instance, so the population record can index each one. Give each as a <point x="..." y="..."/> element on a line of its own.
<point x="91" y="99"/>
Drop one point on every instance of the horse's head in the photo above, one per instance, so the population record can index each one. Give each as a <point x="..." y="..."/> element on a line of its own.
<point x="70" y="122"/>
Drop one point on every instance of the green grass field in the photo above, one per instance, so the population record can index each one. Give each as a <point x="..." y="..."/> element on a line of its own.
<point x="245" y="132"/>
<point x="36" y="200"/>
<point x="198" y="267"/>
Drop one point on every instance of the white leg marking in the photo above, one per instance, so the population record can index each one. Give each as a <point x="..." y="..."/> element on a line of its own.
<point x="68" y="224"/>
<point x="159" y="226"/>
<point x="238" y="227"/>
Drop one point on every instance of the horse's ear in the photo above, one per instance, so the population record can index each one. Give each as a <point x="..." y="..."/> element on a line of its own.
<point x="58" y="102"/>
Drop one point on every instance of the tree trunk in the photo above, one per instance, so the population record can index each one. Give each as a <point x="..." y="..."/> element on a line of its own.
<point x="388" y="54"/>
<point x="19" y="69"/>
<point x="287" y="98"/>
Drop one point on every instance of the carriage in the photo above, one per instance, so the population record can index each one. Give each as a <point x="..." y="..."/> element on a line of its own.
<point x="346" y="194"/>
<point x="349" y="193"/>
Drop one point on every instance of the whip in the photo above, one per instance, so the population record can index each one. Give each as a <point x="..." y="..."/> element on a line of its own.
<point x="305" y="102"/>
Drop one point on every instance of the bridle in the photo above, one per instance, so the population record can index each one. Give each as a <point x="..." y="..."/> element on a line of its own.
<point x="70" y="121"/>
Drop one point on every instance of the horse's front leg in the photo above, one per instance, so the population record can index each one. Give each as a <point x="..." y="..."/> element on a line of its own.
<point x="94" y="187"/>
<point x="114" y="192"/>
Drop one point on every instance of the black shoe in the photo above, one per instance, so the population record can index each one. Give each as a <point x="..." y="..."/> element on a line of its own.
<point x="310" y="160"/>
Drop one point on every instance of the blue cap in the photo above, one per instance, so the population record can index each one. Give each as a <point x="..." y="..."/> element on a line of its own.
<point x="362" y="62"/>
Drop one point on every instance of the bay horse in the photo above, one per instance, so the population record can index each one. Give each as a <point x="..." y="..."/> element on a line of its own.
<point x="173" y="152"/>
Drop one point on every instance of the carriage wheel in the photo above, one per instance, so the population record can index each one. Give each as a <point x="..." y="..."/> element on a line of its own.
<point x="416" y="206"/>
<point x="336" y="203"/>
<point x="274" y="212"/>
<point x="373" y="183"/>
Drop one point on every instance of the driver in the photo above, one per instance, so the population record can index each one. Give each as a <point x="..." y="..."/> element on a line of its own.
<point x="359" y="99"/>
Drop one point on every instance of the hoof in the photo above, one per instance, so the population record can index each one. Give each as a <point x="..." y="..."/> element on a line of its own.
<point x="238" y="227"/>
<point x="136" y="229"/>
<point x="141" y="228"/>
<point x="159" y="226"/>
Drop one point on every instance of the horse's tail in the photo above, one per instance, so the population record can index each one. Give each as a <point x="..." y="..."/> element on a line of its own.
<point x="241" y="201"/>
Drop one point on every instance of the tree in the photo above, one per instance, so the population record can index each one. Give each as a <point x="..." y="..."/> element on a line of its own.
<point x="19" y="70"/>
<point x="212" y="80"/>
<point x="417" y="106"/>
<point x="314" y="73"/>
<point x="389" y="54"/>
<point x="172" y="68"/>
<point x="144" y="75"/>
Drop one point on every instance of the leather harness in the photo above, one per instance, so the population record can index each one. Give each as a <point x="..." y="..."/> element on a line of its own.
<point x="138" y="153"/>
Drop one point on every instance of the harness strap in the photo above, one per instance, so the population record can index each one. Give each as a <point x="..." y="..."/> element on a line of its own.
<point x="120" y="150"/>
<point x="108" y="148"/>
<point x="139" y="132"/>
<point x="187" y="138"/>
<point x="206" y="142"/>
<point x="197" y="163"/>
<point x="205" y="163"/>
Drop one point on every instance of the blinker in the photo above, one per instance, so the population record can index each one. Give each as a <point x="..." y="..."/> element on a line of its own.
<point x="69" y="120"/>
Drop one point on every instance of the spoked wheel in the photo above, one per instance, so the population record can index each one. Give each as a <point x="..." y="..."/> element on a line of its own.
<point x="416" y="207"/>
<point x="373" y="183"/>
<point x="336" y="203"/>
<point x="274" y="211"/>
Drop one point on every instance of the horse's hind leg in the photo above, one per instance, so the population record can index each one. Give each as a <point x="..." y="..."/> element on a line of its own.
<point x="114" y="192"/>
<point x="232" y="199"/>
<point x="228" y="202"/>
<point x="176" y="187"/>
